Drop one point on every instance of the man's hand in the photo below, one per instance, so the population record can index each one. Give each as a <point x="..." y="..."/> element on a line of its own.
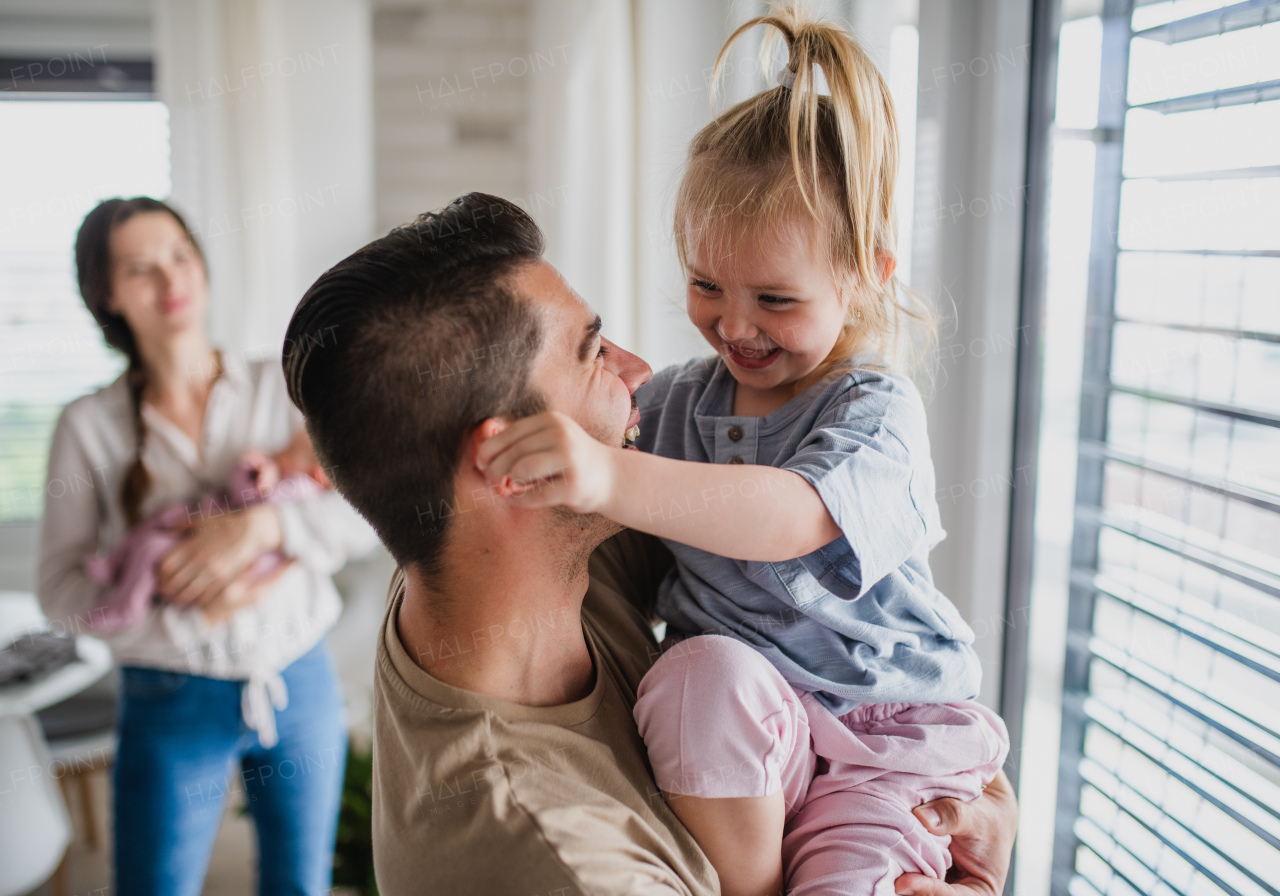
<point x="215" y="552"/>
<point x="548" y="460"/>
<point x="982" y="834"/>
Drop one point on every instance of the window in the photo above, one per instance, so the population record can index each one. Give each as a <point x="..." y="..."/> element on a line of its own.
<point x="60" y="158"/>
<point x="1170" y="714"/>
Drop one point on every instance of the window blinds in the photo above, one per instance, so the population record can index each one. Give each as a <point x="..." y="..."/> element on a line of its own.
<point x="1170" y="773"/>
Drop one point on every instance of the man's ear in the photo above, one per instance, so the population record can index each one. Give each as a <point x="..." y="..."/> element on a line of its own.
<point x="486" y="430"/>
<point x="490" y="428"/>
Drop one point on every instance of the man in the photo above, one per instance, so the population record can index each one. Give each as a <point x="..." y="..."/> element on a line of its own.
<point x="506" y="759"/>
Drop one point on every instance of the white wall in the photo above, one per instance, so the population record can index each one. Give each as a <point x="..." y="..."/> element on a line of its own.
<point x="451" y="102"/>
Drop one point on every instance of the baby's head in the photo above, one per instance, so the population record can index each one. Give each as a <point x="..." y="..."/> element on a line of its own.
<point x="784" y="218"/>
<point x="298" y="457"/>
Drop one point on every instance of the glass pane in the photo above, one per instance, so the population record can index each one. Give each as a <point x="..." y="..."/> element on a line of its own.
<point x="1203" y="366"/>
<point x="1149" y="15"/>
<point x="1079" y="73"/>
<point x="71" y="155"/>
<point x="1175" y="556"/>
<point x="1204" y="140"/>
<point x="1159" y="71"/>
<point x="1223" y="215"/>
<point x="1224" y="292"/>
<point x="1194" y="513"/>
<point x="1208" y="446"/>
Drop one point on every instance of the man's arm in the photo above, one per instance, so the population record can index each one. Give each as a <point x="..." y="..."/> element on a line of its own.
<point x="982" y="834"/>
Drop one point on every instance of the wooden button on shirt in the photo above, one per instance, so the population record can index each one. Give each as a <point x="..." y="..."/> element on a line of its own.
<point x="861" y="440"/>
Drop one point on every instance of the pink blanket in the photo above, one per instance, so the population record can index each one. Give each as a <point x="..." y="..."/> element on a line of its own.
<point x="131" y="567"/>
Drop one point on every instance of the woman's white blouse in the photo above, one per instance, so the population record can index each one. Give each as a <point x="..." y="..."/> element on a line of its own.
<point x="93" y="447"/>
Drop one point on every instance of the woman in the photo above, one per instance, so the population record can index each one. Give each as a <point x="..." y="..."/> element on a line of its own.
<point x="257" y="688"/>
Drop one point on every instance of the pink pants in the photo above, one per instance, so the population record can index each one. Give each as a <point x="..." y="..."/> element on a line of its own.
<point x="719" y="721"/>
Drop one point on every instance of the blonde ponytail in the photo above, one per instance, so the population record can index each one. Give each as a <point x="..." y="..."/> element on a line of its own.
<point x="791" y="150"/>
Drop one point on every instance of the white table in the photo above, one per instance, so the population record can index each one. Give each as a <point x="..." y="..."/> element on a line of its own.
<point x="20" y="614"/>
<point x="34" y="826"/>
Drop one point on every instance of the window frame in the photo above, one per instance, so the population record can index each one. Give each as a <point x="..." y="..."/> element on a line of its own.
<point x="1098" y="386"/>
<point x="114" y="80"/>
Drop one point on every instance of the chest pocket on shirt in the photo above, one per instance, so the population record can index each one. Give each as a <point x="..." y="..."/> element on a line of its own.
<point x="830" y="570"/>
<point x="835" y="569"/>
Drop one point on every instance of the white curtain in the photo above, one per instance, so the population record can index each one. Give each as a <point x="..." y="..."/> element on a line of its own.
<point x="605" y="149"/>
<point x="270" y="105"/>
<point x="678" y="43"/>
<point x="582" y="151"/>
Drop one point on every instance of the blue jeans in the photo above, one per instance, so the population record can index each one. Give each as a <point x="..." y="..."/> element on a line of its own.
<point x="180" y="735"/>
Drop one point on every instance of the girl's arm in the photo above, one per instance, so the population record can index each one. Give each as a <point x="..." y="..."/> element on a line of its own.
<point x="746" y="512"/>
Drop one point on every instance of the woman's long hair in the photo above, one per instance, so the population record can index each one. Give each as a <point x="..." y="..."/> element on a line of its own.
<point x="93" y="272"/>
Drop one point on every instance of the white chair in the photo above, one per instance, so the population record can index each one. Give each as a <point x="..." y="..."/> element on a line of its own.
<point x="34" y="826"/>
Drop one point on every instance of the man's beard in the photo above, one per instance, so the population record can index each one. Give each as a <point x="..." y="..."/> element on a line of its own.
<point x="583" y="533"/>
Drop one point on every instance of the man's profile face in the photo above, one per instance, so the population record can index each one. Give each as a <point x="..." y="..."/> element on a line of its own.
<point x="579" y="373"/>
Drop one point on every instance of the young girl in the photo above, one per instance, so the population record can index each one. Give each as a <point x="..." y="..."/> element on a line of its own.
<point x="819" y="686"/>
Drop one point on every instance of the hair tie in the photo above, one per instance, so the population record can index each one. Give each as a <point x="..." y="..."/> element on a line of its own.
<point x="786" y="77"/>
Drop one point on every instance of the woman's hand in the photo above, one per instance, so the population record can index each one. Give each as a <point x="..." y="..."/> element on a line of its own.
<point x="243" y="592"/>
<point x="215" y="552"/>
<point x="548" y="460"/>
<point x="982" y="834"/>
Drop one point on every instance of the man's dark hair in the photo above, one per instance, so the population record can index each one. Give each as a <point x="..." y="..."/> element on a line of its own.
<point x="397" y="352"/>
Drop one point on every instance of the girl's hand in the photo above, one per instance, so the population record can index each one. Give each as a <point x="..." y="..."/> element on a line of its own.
<point x="548" y="460"/>
<point x="214" y="554"/>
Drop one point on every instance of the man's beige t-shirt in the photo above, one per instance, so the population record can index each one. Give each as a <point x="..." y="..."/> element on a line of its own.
<point x="472" y="794"/>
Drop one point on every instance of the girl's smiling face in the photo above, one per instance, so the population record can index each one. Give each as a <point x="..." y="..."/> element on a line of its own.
<point x="770" y="307"/>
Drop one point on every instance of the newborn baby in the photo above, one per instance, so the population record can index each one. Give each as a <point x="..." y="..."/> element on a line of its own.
<point x="288" y="475"/>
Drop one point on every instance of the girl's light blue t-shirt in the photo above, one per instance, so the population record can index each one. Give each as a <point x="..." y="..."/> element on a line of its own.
<point x="857" y="621"/>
